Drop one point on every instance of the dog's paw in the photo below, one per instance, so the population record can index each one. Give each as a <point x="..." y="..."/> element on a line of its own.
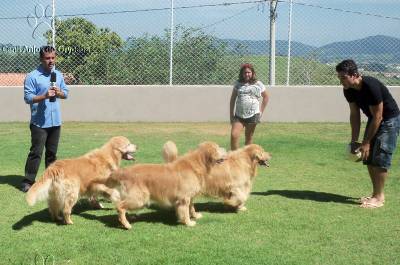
<point x="127" y="226"/>
<point x="96" y="205"/>
<point x="241" y="209"/>
<point x="68" y="222"/>
<point x="190" y="223"/>
<point x="125" y="223"/>
<point x="115" y="196"/>
<point x="56" y="217"/>
<point x="197" y="215"/>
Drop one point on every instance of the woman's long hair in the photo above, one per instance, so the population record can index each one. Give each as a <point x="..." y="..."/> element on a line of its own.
<point x="243" y="67"/>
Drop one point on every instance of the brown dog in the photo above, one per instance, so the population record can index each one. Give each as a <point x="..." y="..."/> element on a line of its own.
<point x="233" y="179"/>
<point x="169" y="185"/>
<point x="64" y="181"/>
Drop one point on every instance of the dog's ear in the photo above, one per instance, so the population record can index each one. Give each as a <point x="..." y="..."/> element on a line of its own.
<point x="120" y="143"/>
<point x="255" y="152"/>
<point x="211" y="151"/>
<point x="259" y="154"/>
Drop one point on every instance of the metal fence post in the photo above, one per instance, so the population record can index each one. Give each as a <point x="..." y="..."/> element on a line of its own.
<point x="289" y="43"/>
<point x="171" y="44"/>
<point x="272" y="19"/>
<point x="53" y="23"/>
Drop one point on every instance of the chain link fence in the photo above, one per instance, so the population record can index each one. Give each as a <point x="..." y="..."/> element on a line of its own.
<point x="129" y="42"/>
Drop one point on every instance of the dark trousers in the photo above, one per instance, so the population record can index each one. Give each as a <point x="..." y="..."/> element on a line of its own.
<point x="40" y="138"/>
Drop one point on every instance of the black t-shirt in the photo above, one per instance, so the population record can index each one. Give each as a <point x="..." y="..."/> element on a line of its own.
<point x="372" y="93"/>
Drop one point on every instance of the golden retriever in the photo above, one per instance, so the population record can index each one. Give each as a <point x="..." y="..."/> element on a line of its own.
<point x="169" y="185"/>
<point x="64" y="181"/>
<point x="233" y="179"/>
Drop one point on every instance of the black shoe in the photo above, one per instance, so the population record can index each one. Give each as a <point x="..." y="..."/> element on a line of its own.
<point x="26" y="184"/>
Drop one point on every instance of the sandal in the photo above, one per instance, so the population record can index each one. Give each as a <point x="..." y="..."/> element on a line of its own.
<point x="364" y="199"/>
<point x="372" y="204"/>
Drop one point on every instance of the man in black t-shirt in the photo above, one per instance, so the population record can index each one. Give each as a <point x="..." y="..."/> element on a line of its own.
<point x="380" y="137"/>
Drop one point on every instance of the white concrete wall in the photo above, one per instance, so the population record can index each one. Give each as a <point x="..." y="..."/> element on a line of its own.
<point x="184" y="104"/>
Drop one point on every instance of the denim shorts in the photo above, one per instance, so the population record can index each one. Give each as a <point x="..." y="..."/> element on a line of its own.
<point x="251" y="120"/>
<point x="384" y="143"/>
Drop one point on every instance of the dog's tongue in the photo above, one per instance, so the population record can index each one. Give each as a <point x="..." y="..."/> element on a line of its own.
<point x="129" y="156"/>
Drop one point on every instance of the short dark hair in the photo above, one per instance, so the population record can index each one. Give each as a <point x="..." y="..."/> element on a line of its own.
<point x="46" y="49"/>
<point x="348" y="67"/>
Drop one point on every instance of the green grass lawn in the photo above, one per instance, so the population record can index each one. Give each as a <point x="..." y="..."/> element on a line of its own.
<point x="302" y="209"/>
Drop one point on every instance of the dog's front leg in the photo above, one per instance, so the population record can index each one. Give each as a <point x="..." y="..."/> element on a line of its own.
<point x="193" y="212"/>
<point x="111" y="194"/>
<point x="236" y="199"/>
<point x="182" y="211"/>
<point x="122" y="215"/>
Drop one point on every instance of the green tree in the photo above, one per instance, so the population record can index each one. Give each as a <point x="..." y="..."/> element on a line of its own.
<point x="99" y="56"/>
<point x="18" y="62"/>
<point x="85" y="50"/>
<point x="146" y="60"/>
<point x="198" y="58"/>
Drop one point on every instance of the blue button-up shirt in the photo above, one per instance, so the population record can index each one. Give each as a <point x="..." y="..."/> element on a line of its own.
<point x="44" y="114"/>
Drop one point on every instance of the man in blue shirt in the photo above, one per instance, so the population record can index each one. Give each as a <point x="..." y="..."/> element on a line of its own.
<point x="45" y="124"/>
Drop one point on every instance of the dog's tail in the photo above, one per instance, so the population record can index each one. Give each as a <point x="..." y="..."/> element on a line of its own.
<point x="40" y="190"/>
<point x="169" y="152"/>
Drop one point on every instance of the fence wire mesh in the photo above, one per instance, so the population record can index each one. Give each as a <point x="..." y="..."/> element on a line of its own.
<point x="129" y="42"/>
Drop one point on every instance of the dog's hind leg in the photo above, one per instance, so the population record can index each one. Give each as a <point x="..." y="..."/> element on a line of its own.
<point x="182" y="212"/>
<point x="193" y="212"/>
<point x="135" y="200"/>
<point x="70" y="201"/>
<point x="55" y="203"/>
<point x="54" y="209"/>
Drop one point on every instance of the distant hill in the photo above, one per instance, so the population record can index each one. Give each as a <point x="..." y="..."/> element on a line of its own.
<point x="258" y="47"/>
<point x="370" y="49"/>
<point x="376" y="48"/>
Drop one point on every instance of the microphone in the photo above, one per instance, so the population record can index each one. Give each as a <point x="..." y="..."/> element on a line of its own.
<point x="53" y="79"/>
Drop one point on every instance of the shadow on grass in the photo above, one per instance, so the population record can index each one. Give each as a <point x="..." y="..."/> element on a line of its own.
<point x="12" y="180"/>
<point x="163" y="216"/>
<point x="159" y="215"/>
<point x="310" y="195"/>
<point x="43" y="216"/>
<point x="213" y="207"/>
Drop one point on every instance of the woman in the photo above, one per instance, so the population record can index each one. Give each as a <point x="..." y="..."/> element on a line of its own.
<point x="245" y="100"/>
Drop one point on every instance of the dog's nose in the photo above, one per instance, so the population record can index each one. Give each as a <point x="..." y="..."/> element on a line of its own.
<point x="222" y="150"/>
<point x="134" y="147"/>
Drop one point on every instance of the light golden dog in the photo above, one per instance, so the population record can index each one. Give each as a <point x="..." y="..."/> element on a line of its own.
<point x="64" y="181"/>
<point x="169" y="185"/>
<point x="232" y="180"/>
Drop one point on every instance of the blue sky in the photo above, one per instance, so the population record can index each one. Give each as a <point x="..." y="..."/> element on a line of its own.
<point x="315" y="22"/>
